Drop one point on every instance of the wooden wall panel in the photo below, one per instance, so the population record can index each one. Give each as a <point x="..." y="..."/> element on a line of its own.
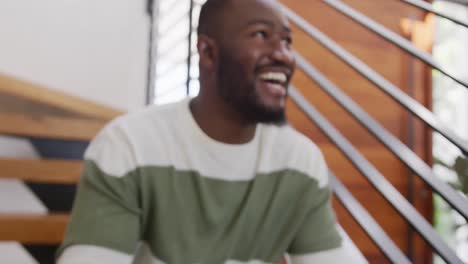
<point x="399" y="68"/>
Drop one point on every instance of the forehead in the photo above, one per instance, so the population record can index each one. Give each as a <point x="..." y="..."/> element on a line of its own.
<point x="240" y="13"/>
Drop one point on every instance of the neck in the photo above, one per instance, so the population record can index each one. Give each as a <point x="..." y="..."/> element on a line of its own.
<point x="220" y="122"/>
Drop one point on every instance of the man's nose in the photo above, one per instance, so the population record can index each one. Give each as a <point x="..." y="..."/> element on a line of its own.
<point x="283" y="53"/>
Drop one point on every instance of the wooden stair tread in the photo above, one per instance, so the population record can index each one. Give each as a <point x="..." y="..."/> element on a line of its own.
<point x="30" y="110"/>
<point x="37" y="93"/>
<point x="17" y="124"/>
<point x="33" y="229"/>
<point x="42" y="171"/>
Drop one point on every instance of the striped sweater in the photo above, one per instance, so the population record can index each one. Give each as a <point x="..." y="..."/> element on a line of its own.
<point x="155" y="177"/>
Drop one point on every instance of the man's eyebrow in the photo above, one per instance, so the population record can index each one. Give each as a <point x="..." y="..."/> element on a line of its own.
<point x="260" y="21"/>
<point x="267" y="23"/>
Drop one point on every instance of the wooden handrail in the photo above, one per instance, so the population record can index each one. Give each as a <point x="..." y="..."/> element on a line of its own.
<point x="41" y="171"/>
<point x="22" y="89"/>
<point x="33" y="229"/>
<point x="20" y="124"/>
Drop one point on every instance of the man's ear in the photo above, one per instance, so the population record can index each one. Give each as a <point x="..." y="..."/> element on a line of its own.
<point x="208" y="51"/>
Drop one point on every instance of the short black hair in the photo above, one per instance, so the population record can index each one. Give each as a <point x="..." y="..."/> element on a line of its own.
<point x="209" y="16"/>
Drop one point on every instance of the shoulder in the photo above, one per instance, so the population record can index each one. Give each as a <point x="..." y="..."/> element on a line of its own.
<point x="141" y="123"/>
<point x="292" y="150"/>
<point x="118" y="146"/>
<point x="290" y="141"/>
<point x="152" y="115"/>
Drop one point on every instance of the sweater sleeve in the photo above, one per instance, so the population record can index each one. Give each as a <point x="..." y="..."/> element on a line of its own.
<point x="319" y="238"/>
<point x="346" y="253"/>
<point x="105" y="220"/>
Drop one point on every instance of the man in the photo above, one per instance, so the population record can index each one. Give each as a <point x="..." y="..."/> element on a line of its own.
<point x="218" y="179"/>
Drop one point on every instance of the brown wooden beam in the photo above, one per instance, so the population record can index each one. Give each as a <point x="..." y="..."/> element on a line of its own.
<point x="33" y="229"/>
<point x="41" y="171"/>
<point x="22" y="125"/>
<point x="23" y="89"/>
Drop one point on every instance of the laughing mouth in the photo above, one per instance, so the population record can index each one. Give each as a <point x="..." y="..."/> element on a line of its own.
<point x="274" y="77"/>
<point x="276" y="81"/>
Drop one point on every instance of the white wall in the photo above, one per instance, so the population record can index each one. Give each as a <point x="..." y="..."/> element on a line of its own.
<point x="94" y="49"/>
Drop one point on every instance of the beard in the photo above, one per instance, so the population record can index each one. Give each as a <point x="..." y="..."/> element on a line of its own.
<point x="236" y="90"/>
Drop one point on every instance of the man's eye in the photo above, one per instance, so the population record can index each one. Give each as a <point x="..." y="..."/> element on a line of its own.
<point x="287" y="40"/>
<point x="261" y="34"/>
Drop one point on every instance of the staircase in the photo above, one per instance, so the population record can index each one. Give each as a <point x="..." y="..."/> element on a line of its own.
<point x="362" y="92"/>
<point x="59" y="127"/>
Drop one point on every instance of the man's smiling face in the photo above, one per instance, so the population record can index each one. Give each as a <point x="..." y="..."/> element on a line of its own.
<point x="256" y="62"/>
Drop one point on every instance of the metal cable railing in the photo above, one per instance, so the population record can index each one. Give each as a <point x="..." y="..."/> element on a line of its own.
<point x="390" y="36"/>
<point x="365" y="220"/>
<point x="428" y="8"/>
<point x="403" y="99"/>
<point x="421" y="226"/>
<point x="405" y="154"/>
<point x="376" y="179"/>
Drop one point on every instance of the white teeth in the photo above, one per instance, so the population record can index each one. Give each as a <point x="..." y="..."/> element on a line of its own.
<point x="274" y="76"/>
